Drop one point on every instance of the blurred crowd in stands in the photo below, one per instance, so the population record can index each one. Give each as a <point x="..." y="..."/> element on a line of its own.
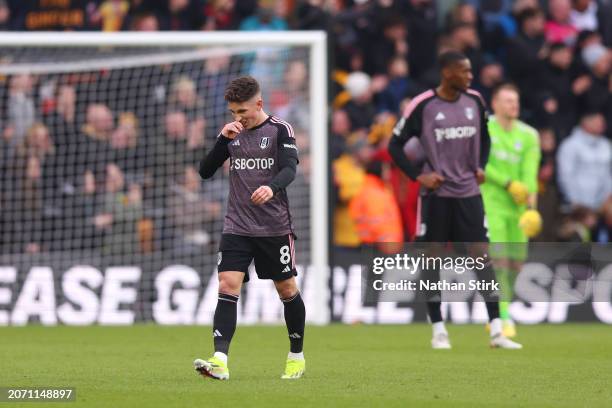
<point x="81" y="174"/>
<point x="107" y="159"/>
<point x="381" y="52"/>
<point x="556" y="52"/>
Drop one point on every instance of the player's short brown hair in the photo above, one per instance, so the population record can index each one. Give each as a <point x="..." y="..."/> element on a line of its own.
<point x="241" y="89"/>
<point x="505" y="85"/>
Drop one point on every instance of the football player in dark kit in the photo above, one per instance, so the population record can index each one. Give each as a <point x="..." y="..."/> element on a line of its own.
<point x="263" y="159"/>
<point x="450" y="123"/>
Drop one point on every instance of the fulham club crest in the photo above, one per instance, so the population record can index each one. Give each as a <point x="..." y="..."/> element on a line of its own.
<point x="469" y="113"/>
<point x="265" y="141"/>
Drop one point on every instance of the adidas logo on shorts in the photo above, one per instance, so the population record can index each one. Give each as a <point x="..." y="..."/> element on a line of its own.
<point x="287" y="269"/>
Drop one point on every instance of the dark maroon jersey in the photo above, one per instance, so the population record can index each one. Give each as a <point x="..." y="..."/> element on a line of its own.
<point x="452" y="135"/>
<point x="254" y="161"/>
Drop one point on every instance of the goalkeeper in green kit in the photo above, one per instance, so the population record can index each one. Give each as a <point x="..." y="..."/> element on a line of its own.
<point x="510" y="192"/>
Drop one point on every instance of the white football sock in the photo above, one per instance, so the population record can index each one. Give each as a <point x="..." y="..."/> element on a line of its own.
<point x="496" y="327"/>
<point x="438" y="327"/>
<point x="221" y="356"/>
<point x="295" y="356"/>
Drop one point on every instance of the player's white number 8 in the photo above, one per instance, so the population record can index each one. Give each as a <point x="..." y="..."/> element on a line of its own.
<point x="285" y="255"/>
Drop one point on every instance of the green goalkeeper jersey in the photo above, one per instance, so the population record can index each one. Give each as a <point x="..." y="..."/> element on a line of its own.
<point x="515" y="156"/>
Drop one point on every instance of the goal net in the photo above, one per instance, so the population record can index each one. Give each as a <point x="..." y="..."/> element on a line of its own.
<point x="103" y="216"/>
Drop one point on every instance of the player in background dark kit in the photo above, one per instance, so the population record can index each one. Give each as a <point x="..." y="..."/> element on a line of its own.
<point x="450" y="123"/>
<point x="263" y="160"/>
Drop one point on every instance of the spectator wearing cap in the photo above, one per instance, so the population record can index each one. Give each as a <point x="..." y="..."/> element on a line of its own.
<point x="360" y="107"/>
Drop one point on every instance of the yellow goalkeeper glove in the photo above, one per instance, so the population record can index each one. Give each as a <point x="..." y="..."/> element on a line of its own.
<point x="518" y="191"/>
<point x="531" y="223"/>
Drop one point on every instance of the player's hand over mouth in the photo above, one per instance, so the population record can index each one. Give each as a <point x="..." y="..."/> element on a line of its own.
<point x="232" y="129"/>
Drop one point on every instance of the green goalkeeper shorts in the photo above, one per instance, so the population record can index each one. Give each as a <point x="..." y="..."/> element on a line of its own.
<point x="507" y="239"/>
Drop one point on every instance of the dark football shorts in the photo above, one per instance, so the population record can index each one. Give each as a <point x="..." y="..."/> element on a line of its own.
<point x="449" y="219"/>
<point x="274" y="256"/>
<point x="454" y="220"/>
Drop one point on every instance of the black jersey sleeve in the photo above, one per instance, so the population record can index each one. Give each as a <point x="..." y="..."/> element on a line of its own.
<point x="408" y="126"/>
<point x="215" y="158"/>
<point x="287" y="159"/>
<point x="485" y="139"/>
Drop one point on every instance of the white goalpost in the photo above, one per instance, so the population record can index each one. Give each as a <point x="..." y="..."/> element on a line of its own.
<point x="99" y="136"/>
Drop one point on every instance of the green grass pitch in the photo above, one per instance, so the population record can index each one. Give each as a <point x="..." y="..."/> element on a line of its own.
<point x="347" y="366"/>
